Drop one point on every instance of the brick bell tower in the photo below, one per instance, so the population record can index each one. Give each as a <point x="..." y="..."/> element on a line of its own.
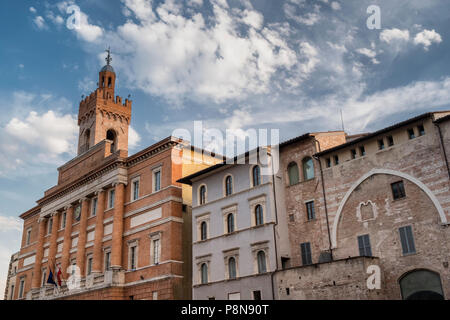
<point x="101" y="116"/>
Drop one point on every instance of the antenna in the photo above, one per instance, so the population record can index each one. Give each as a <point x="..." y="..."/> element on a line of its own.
<point x="108" y="58"/>
<point x="342" y="121"/>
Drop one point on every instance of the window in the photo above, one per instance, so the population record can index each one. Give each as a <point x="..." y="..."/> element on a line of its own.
<point x="111" y="135"/>
<point x="28" y="238"/>
<point x="228" y="185"/>
<point x="155" y="295"/>
<point x="234" y="296"/>
<point x="261" y="257"/>
<point x="328" y="162"/>
<point x="336" y="160"/>
<point x="232" y="268"/>
<point x="63" y="220"/>
<point x="259" y="217"/>
<point x="306" y="253"/>
<point x="257" y="295"/>
<point x="44" y="277"/>
<point x="230" y="223"/>
<point x="364" y="246"/>
<point x="293" y="173"/>
<point x="112" y="194"/>
<point x="390" y="140"/>
<point x="411" y="134"/>
<point x="89" y="266"/>
<point x="381" y="144"/>
<point x="156" y="251"/>
<point x="204" y="273"/>
<point x="311" y="214"/>
<point x="203" y="230"/>
<point x="11" y="295"/>
<point x="353" y="153"/>
<point x="398" y="190"/>
<point x="132" y="257"/>
<point x="94" y="207"/>
<point x="308" y="168"/>
<point x="362" y="151"/>
<point x="157" y="180"/>
<point x="107" y="260"/>
<point x="77" y="213"/>
<point x="135" y="190"/>
<point x="421" y="130"/>
<point x="50" y="226"/>
<point x="407" y="240"/>
<point x="256" y="173"/>
<point x="21" y="288"/>
<point x="202" y="195"/>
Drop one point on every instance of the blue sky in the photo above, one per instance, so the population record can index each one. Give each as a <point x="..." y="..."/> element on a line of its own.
<point x="238" y="64"/>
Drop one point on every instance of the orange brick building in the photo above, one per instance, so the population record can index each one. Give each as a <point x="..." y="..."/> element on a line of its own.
<point x="116" y="225"/>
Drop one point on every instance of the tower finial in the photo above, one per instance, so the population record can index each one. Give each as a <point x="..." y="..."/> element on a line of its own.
<point x="108" y="58"/>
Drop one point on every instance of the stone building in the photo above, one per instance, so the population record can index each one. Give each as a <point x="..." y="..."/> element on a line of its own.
<point x="11" y="277"/>
<point x="235" y="230"/>
<point x="116" y="226"/>
<point x="375" y="207"/>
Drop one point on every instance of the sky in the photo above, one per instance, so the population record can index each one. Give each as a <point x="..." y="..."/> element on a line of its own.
<point x="291" y="65"/>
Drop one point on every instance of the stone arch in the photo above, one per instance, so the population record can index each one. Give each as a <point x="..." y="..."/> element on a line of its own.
<point x="421" y="284"/>
<point x="372" y="172"/>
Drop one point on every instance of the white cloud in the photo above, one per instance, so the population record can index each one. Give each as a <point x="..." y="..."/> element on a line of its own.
<point x="369" y="53"/>
<point x="427" y="38"/>
<point x="133" y="138"/>
<point x="394" y="35"/>
<point x="39" y="22"/>
<point x="10" y="224"/>
<point x="311" y="55"/>
<point x="335" y="5"/>
<point x="56" y="19"/>
<point x="32" y="10"/>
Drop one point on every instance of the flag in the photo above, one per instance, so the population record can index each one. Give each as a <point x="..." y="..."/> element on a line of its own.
<point x="58" y="276"/>
<point x="50" y="278"/>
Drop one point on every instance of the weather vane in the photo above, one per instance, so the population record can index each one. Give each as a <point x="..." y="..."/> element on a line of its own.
<point x="108" y="58"/>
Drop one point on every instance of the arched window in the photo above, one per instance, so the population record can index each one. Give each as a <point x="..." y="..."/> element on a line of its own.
<point x="230" y="223"/>
<point x="421" y="285"/>
<point x="228" y="186"/>
<point x="202" y="195"/>
<point x="256" y="176"/>
<point x="308" y="168"/>
<point x="232" y="268"/>
<point x="111" y="135"/>
<point x="261" y="256"/>
<point x="293" y="173"/>
<point x="203" y="230"/>
<point x="259" y="217"/>
<point x="204" y="271"/>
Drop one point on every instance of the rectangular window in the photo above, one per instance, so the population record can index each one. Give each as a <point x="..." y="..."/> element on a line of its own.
<point x="257" y="295"/>
<point x="155" y="295"/>
<point x="63" y="220"/>
<point x="421" y="130"/>
<point x="28" y="236"/>
<point x="11" y="296"/>
<point x="390" y="140"/>
<point x="234" y="296"/>
<point x="353" y="153"/>
<point x="135" y="190"/>
<point x="50" y="226"/>
<point x="89" y="266"/>
<point x="112" y="194"/>
<point x="21" y="288"/>
<point x="132" y="258"/>
<point x="156" y="180"/>
<point x="107" y="260"/>
<point x="311" y="214"/>
<point x="381" y="144"/>
<point x="306" y="253"/>
<point x="94" y="207"/>
<point x="336" y="160"/>
<point x="156" y="251"/>
<point x="398" y="190"/>
<point x="44" y="277"/>
<point x="407" y="240"/>
<point x="328" y="162"/>
<point x="364" y="246"/>
<point x="411" y="134"/>
<point x="362" y="151"/>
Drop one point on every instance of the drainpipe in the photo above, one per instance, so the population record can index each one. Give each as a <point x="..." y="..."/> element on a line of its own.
<point x="324" y="199"/>
<point x="443" y="147"/>
<point x="276" y="223"/>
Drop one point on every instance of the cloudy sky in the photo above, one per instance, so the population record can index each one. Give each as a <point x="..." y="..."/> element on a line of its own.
<point x="290" y="65"/>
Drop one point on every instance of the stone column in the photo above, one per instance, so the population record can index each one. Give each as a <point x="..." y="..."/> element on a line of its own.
<point x="81" y="251"/>
<point x="53" y="238"/>
<point x="98" y="241"/>
<point x="116" y="251"/>
<point x="36" y="282"/>
<point x="67" y="244"/>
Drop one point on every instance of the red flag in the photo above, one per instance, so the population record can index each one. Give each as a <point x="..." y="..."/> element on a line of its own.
<point x="58" y="276"/>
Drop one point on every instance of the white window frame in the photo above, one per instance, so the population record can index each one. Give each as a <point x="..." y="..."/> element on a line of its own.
<point x="260" y="200"/>
<point x="199" y="194"/>
<point x="224" y="185"/>
<point x="28" y="236"/>
<point x="225" y="212"/>
<point x="133" y="244"/>
<point x="94" y="206"/>
<point x="256" y="247"/>
<point x="89" y="257"/>
<point x="203" y="218"/>
<point x="21" y="287"/>
<point x="111" y="198"/>
<point x="49" y="226"/>
<point x="156" y="236"/>
<point x="133" y="189"/>
<point x="44" y="275"/>
<point x="154" y="172"/>
<point x="199" y="262"/>
<point x="227" y="254"/>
